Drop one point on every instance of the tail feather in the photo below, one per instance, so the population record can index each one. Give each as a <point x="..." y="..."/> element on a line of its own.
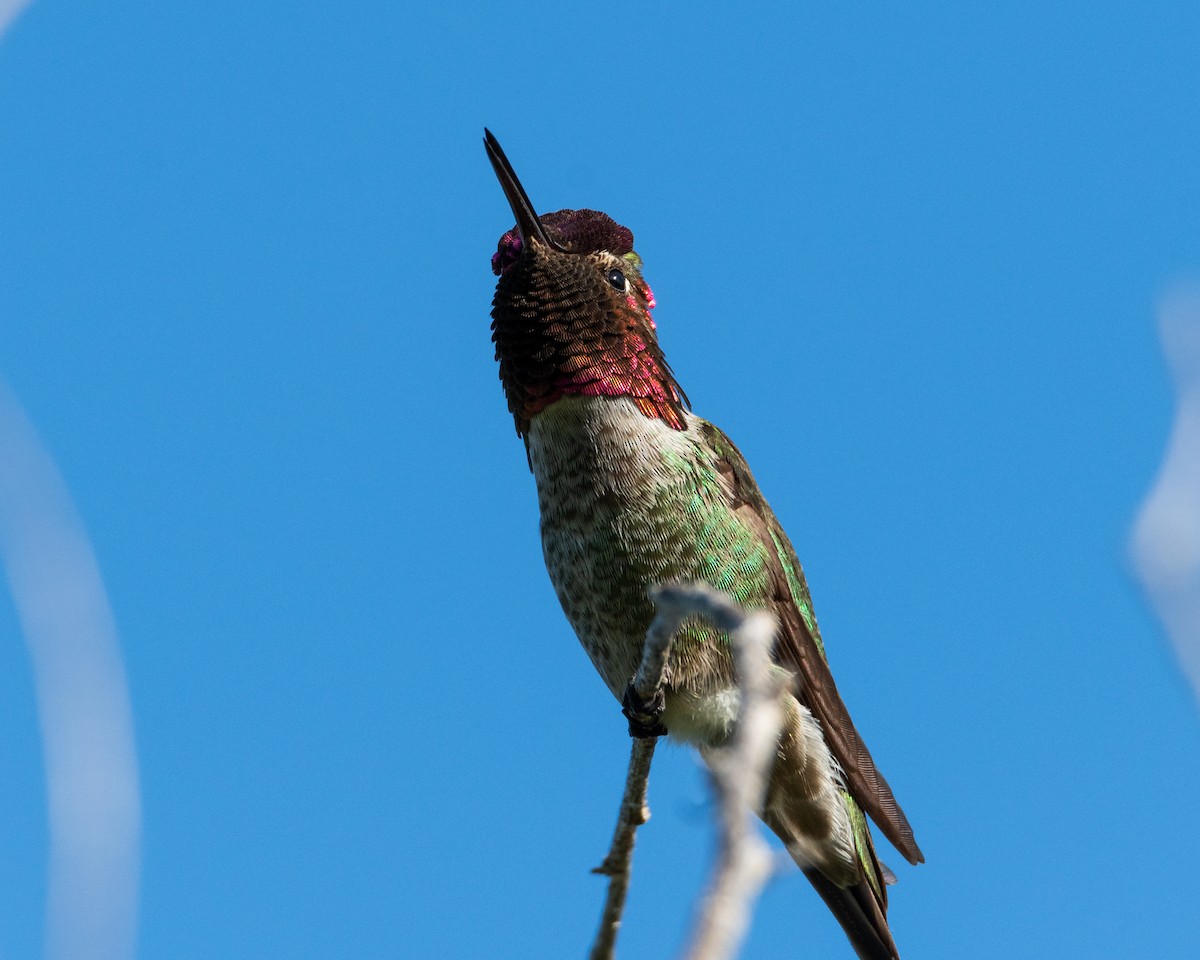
<point x="858" y="911"/>
<point x="826" y="833"/>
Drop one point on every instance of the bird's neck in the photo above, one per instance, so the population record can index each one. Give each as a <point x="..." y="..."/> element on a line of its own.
<point x="542" y="363"/>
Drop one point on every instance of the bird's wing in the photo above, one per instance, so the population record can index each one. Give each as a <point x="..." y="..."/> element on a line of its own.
<point x="800" y="649"/>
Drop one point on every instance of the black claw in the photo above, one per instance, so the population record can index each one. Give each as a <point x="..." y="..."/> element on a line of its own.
<point x="645" y="717"/>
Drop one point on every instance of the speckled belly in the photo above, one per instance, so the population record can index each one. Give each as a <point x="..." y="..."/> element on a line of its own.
<point x="627" y="502"/>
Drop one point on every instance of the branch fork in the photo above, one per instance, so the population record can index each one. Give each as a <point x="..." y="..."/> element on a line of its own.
<point x="740" y="769"/>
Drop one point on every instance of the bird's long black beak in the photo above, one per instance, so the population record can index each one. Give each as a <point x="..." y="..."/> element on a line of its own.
<point x="518" y="199"/>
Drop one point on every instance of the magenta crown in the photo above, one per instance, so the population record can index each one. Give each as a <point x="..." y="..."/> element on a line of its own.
<point x="577" y="231"/>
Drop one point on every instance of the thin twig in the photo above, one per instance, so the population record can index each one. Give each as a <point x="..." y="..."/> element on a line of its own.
<point x="618" y="865"/>
<point x="739" y="771"/>
<point x="740" y="774"/>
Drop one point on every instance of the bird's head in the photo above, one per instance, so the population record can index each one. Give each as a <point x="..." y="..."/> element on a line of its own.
<point x="571" y="314"/>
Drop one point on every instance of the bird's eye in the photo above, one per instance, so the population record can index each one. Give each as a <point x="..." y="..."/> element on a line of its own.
<point x="617" y="279"/>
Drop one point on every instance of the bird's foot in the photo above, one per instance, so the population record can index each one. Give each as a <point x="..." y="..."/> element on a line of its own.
<point x="644" y="716"/>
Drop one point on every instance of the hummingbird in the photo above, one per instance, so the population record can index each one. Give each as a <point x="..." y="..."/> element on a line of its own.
<point x="634" y="490"/>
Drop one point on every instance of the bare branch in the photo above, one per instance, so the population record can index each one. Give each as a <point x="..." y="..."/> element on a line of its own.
<point x="618" y="865"/>
<point x="740" y="772"/>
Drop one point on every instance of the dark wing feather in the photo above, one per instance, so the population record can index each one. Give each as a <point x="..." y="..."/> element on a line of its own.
<point x="800" y="649"/>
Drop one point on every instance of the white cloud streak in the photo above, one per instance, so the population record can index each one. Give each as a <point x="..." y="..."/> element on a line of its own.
<point x="82" y="699"/>
<point x="1165" y="541"/>
<point x="8" y="12"/>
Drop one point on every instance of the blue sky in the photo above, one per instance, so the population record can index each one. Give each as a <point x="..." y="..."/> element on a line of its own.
<point x="908" y="257"/>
